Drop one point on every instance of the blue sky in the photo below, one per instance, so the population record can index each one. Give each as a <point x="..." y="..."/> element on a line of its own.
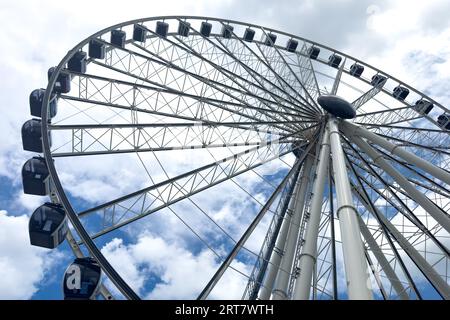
<point x="410" y="42"/>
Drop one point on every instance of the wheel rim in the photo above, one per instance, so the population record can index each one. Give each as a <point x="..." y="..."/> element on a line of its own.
<point x="272" y="95"/>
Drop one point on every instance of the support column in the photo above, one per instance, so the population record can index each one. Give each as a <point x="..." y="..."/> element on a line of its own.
<point x="282" y="280"/>
<point x="384" y="263"/>
<point x="440" y="217"/>
<point x="309" y="251"/>
<point x="277" y="253"/>
<point x="353" y="129"/>
<point x="356" y="269"/>
<point x="267" y="273"/>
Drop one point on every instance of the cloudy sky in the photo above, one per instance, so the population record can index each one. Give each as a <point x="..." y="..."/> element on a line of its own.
<point x="409" y="40"/>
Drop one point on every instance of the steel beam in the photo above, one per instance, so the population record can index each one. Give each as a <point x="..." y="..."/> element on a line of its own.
<point x="356" y="269"/>
<point x="333" y="236"/>
<point x="226" y="263"/>
<point x="435" y="279"/>
<point x="308" y="255"/>
<point x="440" y="217"/>
<point x="383" y="228"/>
<point x="282" y="280"/>
<point x="351" y="129"/>
<point x="277" y="252"/>
<point x="384" y="263"/>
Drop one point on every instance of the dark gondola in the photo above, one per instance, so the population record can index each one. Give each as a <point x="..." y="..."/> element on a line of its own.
<point x="82" y="279"/>
<point x="270" y="39"/>
<point x="423" y="106"/>
<point x="249" y="34"/>
<point x="32" y="136"/>
<point x="118" y="38"/>
<point x="48" y="226"/>
<point x="291" y="45"/>
<point x="378" y="81"/>
<point x="62" y="83"/>
<point x="96" y="49"/>
<point x="400" y="93"/>
<point x="444" y="121"/>
<point x="162" y="28"/>
<point x="227" y="31"/>
<point x="313" y="52"/>
<point x="36" y="100"/>
<point x="334" y="60"/>
<point x="356" y="70"/>
<point x="34" y="176"/>
<point x="205" y="29"/>
<point x="139" y="33"/>
<point x="183" y="28"/>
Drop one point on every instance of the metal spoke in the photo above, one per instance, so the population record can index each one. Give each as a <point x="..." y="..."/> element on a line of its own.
<point x="404" y="209"/>
<point x="337" y="80"/>
<point x="225" y="264"/>
<point x="367" y="96"/>
<point x="139" y="204"/>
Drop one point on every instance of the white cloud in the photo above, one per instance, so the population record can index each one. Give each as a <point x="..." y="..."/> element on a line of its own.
<point x="23" y="266"/>
<point x="180" y="273"/>
<point x="387" y="42"/>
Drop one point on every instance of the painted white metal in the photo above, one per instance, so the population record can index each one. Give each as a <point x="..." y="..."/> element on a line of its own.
<point x="384" y="263"/>
<point x="415" y="194"/>
<point x="353" y="129"/>
<point x="356" y="269"/>
<point x="277" y="253"/>
<point x="282" y="280"/>
<point x="438" y="282"/>
<point x="309" y="252"/>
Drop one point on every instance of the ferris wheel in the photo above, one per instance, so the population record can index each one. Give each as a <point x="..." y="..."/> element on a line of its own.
<point x="354" y="163"/>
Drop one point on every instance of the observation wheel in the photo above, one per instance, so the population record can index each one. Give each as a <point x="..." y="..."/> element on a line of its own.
<point x="336" y="172"/>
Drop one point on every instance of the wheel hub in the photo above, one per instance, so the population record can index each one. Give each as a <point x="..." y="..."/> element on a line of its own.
<point x="337" y="106"/>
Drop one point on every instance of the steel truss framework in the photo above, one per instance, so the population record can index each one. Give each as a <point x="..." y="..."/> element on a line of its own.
<point x="366" y="198"/>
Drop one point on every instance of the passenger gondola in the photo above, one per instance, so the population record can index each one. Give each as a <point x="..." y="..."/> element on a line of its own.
<point x="48" y="226"/>
<point x="82" y="279"/>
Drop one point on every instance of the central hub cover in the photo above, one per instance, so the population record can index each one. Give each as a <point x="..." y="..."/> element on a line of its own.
<point x="337" y="106"/>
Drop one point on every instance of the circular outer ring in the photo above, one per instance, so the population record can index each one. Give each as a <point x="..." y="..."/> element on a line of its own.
<point x="124" y="288"/>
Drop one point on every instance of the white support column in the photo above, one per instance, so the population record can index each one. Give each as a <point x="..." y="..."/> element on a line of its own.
<point x="415" y="194"/>
<point x="277" y="253"/>
<point x="356" y="269"/>
<point x="384" y="263"/>
<point x="352" y="129"/>
<point x="282" y="280"/>
<point x="309" y="251"/>
<point x="438" y="282"/>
